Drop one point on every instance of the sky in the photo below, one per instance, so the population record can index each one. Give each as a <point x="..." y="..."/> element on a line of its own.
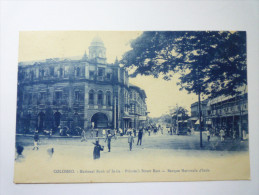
<point x="161" y="95"/>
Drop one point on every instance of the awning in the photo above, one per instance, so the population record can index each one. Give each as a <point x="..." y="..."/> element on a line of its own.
<point x="128" y="117"/>
<point x="142" y="118"/>
<point x="193" y="118"/>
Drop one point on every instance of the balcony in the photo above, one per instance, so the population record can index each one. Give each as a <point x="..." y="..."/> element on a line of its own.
<point x="100" y="78"/>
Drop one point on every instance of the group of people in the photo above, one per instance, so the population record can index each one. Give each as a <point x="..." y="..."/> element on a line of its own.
<point x="222" y="133"/>
<point x="98" y="148"/>
<point x="209" y="132"/>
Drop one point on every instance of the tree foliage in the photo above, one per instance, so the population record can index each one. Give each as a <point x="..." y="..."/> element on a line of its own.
<point x="212" y="63"/>
<point x="180" y="111"/>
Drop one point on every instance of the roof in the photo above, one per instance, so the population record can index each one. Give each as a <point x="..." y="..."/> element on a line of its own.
<point x="97" y="41"/>
<point x="141" y="91"/>
<point x="222" y="98"/>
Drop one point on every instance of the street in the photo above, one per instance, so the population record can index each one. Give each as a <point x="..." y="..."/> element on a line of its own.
<point x="158" y="154"/>
<point x="182" y="145"/>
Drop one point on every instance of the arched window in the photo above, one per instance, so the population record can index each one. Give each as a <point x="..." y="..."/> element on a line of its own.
<point x="77" y="71"/>
<point x="100" y="98"/>
<point x="61" y="72"/>
<point x="51" y="71"/>
<point x="91" y="97"/>
<point x="108" y="98"/>
<point x="42" y="73"/>
<point x="31" y="75"/>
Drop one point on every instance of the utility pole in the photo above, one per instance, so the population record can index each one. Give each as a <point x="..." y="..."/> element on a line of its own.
<point x="199" y="104"/>
<point x="177" y="127"/>
<point x="114" y="118"/>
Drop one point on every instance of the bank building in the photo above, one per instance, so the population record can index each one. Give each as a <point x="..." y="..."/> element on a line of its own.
<point x="86" y="93"/>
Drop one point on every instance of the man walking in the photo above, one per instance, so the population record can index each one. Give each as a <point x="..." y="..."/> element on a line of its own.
<point x="135" y="132"/>
<point x="208" y="135"/>
<point x="140" y="134"/>
<point x="83" y="136"/>
<point x="109" y="139"/>
<point x="130" y="141"/>
<point x="222" y="134"/>
<point x="36" y="140"/>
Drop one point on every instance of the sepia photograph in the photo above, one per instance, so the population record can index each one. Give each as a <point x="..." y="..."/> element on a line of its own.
<point x="131" y="106"/>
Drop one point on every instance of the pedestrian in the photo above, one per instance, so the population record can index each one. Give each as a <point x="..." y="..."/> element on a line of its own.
<point x="19" y="150"/>
<point x="83" y="136"/>
<point x="36" y="140"/>
<point x="234" y="134"/>
<point x="244" y="135"/>
<point x="50" y="152"/>
<point x="162" y="130"/>
<point x="97" y="149"/>
<point x="192" y="130"/>
<point x="222" y="134"/>
<point x="149" y="131"/>
<point x="109" y="139"/>
<point x="50" y="133"/>
<point x="189" y="132"/>
<point x="140" y="134"/>
<point x="130" y="141"/>
<point x="97" y="133"/>
<point x="115" y="134"/>
<point x="92" y="133"/>
<point x="121" y="132"/>
<point x="208" y="134"/>
<point x="104" y="132"/>
<point x="135" y="132"/>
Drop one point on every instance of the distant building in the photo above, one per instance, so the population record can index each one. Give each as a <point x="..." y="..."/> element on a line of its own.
<point x="138" y="107"/>
<point x="85" y="93"/>
<point x="194" y="119"/>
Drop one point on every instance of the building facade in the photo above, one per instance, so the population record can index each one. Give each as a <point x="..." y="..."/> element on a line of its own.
<point x="138" y="108"/>
<point x="85" y="93"/>
<point x="231" y="114"/>
<point x="227" y="113"/>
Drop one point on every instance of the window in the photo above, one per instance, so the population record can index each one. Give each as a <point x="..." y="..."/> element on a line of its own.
<point x="77" y="95"/>
<point x="132" y="108"/>
<point x="100" y="98"/>
<point x="100" y="72"/>
<point x="77" y="71"/>
<point x="58" y="95"/>
<point x="51" y="71"/>
<point x="41" y="73"/>
<point x="42" y="96"/>
<point x="30" y="98"/>
<point x="34" y="98"/>
<point x="31" y="75"/>
<point x="61" y="72"/>
<point x="108" y="98"/>
<point x="91" y="97"/>
<point x="109" y="76"/>
<point x="91" y="74"/>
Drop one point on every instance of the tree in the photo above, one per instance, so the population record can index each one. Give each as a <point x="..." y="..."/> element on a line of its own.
<point x="210" y="63"/>
<point x="179" y="111"/>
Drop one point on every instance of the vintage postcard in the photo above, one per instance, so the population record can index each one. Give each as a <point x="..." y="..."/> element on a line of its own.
<point x="131" y="106"/>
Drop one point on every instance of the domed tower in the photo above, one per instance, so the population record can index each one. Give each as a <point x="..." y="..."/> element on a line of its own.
<point x="97" y="50"/>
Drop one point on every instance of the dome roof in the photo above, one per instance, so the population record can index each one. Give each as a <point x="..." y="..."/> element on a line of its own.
<point x="97" y="41"/>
